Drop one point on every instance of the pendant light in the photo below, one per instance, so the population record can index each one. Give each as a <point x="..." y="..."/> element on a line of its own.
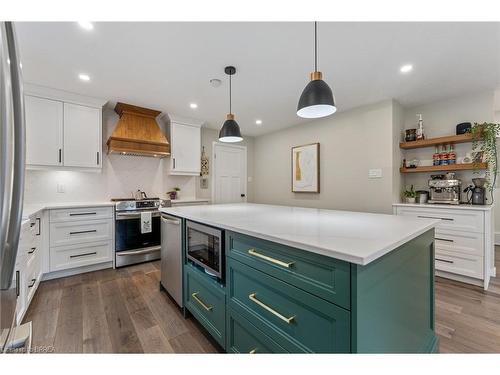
<point x="230" y="131"/>
<point x="317" y="98"/>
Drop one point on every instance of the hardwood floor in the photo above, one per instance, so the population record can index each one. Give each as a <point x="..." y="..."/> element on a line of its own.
<point x="112" y="311"/>
<point x="123" y="311"/>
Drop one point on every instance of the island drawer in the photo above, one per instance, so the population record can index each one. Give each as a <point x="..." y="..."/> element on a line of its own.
<point x="85" y="213"/>
<point x="325" y="277"/>
<point x="68" y="233"/>
<point x="207" y="302"/>
<point x="298" y="321"/>
<point x="450" y="218"/>
<point x="459" y="242"/>
<point x="244" y="337"/>
<point x="461" y="264"/>
<point x="72" y="256"/>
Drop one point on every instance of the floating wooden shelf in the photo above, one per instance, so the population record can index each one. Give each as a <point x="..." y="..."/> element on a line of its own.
<point x="445" y="168"/>
<point x="462" y="138"/>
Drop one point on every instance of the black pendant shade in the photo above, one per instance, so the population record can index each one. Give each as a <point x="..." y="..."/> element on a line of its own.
<point x="317" y="98"/>
<point x="230" y="131"/>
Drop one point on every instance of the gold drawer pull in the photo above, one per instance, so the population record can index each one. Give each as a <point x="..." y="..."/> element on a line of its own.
<point x="253" y="351"/>
<point x="194" y="295"/>
<point x="269" y="259"/>
<point x="272" y="311"/>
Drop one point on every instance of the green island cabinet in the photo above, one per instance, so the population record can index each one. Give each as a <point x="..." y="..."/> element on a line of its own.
<point x="278" y="299"/>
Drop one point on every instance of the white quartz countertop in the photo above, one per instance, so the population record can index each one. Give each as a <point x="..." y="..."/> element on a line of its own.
<point x="355" y="237"/>
<point x="189" y="200"/>
<point x="32" y="209"/>
<point x="478" y="207"/>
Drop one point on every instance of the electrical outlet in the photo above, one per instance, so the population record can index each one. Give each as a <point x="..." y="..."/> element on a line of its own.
<point x="60" y="188"/>
<point x="375" y="173"/>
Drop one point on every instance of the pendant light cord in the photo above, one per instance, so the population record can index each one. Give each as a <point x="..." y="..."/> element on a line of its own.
<point x="230" y="94"/>
<point x="315" y="46"/>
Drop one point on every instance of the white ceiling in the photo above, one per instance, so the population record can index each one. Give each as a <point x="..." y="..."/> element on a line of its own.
<point x="167" y="66"/>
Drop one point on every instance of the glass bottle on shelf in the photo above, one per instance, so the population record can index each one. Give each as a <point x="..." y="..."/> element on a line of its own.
<point x="452" y="155"/>
<point x="435" y="157"/>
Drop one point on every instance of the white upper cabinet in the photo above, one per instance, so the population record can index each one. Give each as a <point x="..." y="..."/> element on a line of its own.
<point x="62" y="129"/>
<point x="185" y="147"/>
<point x="82" y="136"/>
<point x="44" y="131"/>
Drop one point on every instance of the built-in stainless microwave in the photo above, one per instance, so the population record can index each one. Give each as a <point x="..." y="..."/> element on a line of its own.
<point x="205" y="247"/>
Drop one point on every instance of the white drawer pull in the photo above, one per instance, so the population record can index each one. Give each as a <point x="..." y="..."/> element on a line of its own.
<point x="82" y="255"/>
<point x="444" y="260"/>
<point x="443" y="239"/>
<point x="440" y="218"/>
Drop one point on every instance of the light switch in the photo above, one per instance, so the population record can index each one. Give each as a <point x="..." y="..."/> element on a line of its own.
<point x="375" y="173"/>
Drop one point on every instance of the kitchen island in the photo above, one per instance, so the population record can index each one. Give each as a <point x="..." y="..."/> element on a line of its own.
<point x="312" y="280"/>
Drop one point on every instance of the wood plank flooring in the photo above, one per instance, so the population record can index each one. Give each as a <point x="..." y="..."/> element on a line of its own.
<point x="123" y="311"/>
<point x="112" y="311"/>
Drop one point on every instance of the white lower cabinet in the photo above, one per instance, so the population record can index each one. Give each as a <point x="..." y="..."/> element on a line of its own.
<point x="464" y="246"/>
<point x="80" y="237"/>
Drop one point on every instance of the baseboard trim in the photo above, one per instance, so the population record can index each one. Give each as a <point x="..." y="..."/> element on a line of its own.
<point x="497" y="238"/>
<point x="76" y="271"/>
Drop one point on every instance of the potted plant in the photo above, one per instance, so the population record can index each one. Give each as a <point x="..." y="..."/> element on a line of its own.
<point x="485" y="143"/>
<point x="410" y="195"/>
<point x="174" y="194"/>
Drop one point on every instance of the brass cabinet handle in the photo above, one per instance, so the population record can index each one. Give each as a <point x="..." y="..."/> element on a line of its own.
<point x="202" y="304"/>
<point x="253" y="351"/>
<point x="253" y="298"/>
<point x="269" y="259"/>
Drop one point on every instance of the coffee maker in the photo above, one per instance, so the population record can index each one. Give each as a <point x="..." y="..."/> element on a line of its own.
<point x="476" y="194"/>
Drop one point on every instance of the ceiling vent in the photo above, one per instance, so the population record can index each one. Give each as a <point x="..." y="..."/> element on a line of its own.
<point x="137" y="133"/>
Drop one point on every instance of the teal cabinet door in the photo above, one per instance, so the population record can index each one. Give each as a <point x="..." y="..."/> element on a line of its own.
<point x="322" y="276"/>
<point x="298" y="321"/>
<point x="244" y="337"/>
<point x="207" y="302"/>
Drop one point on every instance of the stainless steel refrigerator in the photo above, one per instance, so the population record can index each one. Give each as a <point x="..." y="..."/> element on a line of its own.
<point x="12" y="165"/>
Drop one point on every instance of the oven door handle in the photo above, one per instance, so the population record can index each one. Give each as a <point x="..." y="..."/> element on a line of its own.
<point x="137" y="252"/>
<point x="133" y="215"/>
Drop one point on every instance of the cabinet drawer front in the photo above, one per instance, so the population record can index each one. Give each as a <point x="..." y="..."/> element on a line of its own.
<point x="461" y="242"/>
<point x="76" y="214"/>
<point x="207" y="302"/>
<point x="62" y="234"/>
<point x="80" y="255"/>
<point x="324" y="277"/>
<point x="33" y="276"/>
<point x="454" y="219"/>
<point x="461" y="264"/>
<point x="298" y="321"/>
<point x="244" y="337"/>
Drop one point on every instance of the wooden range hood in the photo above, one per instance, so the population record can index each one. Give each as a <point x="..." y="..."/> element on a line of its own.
<point x="137" y="133"/>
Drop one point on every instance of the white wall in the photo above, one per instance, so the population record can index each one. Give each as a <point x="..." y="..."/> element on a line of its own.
<point x="350" y="144"/>
<point x="120" y="176"/>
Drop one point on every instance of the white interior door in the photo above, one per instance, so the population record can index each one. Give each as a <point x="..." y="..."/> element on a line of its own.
<point x="230" y="173"/>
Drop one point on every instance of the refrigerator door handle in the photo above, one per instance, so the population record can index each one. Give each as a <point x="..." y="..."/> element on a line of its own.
<point x="18" y="162"/>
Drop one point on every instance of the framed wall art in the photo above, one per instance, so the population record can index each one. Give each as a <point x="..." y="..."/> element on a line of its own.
<point x="305" y="168"/>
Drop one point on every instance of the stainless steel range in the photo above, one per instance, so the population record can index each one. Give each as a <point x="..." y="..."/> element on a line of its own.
<point x="136" y="240"/>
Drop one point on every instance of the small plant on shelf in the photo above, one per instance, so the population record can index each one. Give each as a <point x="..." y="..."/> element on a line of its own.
<point x="174" y="194"/>
<point x="485" y="142"/>
<point x="410" y="195"/>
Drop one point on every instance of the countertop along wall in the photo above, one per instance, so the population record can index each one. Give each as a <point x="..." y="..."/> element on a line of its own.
<point x="351" y="143"/>
<point x="121" y="175"/>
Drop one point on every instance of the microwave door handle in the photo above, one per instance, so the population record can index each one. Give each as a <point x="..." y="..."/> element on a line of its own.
<point x="18" y="165"/>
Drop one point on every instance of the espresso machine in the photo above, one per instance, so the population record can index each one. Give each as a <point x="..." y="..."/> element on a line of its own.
<point x="476" y="194"/>
<point x="444" y="189"/>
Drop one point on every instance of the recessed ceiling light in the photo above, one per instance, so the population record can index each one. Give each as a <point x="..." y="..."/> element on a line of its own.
<point x="84" y="77"/>
<point x="406" y="68"/>
<point x="193" y="105"/>
<point x="86" y="25"/>
<point x="258" y="122"/>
